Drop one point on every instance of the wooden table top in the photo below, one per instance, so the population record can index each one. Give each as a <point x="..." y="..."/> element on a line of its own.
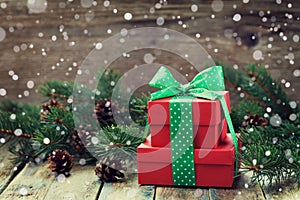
<point x="31" y="182"/>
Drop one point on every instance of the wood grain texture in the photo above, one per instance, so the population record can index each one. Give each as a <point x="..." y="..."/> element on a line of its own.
<point x="174" y="193"/>
<point x="83" y="184"/>
<point x="7" y="168"/>
<point x="238" y="192"/>
<point x="225" y="40"/>
<point x="33" y="182"/>
<point x="127" y="190"/>
<point x="285" y="191"/>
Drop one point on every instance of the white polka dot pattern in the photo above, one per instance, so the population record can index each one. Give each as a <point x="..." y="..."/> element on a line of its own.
<point x="181" y="134"/>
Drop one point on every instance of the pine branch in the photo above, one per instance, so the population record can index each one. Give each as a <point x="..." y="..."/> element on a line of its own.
<point x="54" y="89"/>
<point x="270" y="153"/>
<point x="23" y="151"/>
<point x="234" y="89"/>
<point x="244" y="108"/>
<point x="20" y="108"/>
<point x="106" y="84"/>
<point x="257" y="84"/>
<point x="49" y="138"/>
<point x="138" y="108"/>
<point x="9" y="132"/>
<point x="59" y="117"/>
<point x="119" y="141"/>
<point x="278" y="99"/>
<point x="18" y="124"/>
<point x="55" y="131"/>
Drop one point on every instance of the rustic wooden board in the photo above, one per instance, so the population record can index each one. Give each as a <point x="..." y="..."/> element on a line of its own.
<point x="238" y="192"/>
<point x="7" y="169"/>
<point x="287" y="191"/>
<point x="82" y="184"/>
<point x="127" y="190"/>
<point x="215" y="28"/>
<point x="174" y="193"/>
<point x="33" y="182"/>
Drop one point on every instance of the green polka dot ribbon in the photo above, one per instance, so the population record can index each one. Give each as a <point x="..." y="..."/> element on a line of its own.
<point x="204" y="85"/>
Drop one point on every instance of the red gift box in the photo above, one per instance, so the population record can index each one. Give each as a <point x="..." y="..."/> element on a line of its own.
<point x="213" y="167"/>
<point x="208" y="119"/>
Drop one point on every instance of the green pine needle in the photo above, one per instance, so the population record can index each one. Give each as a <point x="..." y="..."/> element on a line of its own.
<point x="119" y="141"/>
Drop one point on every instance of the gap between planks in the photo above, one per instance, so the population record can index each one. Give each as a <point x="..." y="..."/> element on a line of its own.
<point x="127" y="190"/>
<point x="238" y="192"/>
<point x="7" y="169"/>
<point x="37" y="182"/>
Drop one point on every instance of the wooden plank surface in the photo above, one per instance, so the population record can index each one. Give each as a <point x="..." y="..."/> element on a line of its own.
<point x="287" y="191"/>
<point x="175" y="193"/>
<point x="29" y="51"/>
<point x="33" y="182"/>
<point x="239" y="192"/>
<point x="127" y="190"/>
<point x="7" y="168"/>
<point x="83" y="184"/>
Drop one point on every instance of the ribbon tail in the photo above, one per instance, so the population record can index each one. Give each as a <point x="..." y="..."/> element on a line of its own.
<point x="232" y="132"/>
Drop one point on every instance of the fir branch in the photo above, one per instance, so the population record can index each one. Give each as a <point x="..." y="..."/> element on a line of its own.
<point x="244" y="108"/>
<point x="9" y="132"/>
<point x="257" y="84"/>
<point x="49" y="138"/>
<point x="59" y="117"/>
<point x="54" y="89"/>
<point x="106" y="84"/>
<point x="23" y="151"/>
<point x="120" y="141"/>
<point x="17" y="123"/>
<point x="10" y="122"/>
<point x="138" y="108"/>
<point x="235" y="80"/>
<point x="20" y="108"/>
<point x="279" y="101"/>
<point x="271" y="153"/>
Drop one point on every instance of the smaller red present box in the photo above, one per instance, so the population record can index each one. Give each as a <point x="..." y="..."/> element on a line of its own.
<point x="209" y="128"/>
<point x="213" y="167"/>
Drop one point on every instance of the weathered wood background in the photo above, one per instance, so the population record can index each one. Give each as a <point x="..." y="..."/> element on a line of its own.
<point x="54" y="42"/>
<point x="38" y="44"/>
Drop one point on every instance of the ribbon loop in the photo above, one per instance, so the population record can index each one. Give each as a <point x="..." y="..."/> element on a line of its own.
<point x="211" y="79"/>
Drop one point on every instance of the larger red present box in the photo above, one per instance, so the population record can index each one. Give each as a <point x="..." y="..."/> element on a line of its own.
<point x="209" y="128"/>
<point x="213" y="167"/>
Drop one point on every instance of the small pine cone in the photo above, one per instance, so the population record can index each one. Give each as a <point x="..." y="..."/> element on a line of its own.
<point x="254" y="120"/>
<point x="109" y="170"/>
<point x="77" y="144"/>
<point x="85" y="133"/>
<point x="46" y="107"/>
<point x="103" y="111"/>
<point x="61" y="162"/>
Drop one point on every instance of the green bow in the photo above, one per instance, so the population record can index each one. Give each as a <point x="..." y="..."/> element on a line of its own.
<point x="205" y="84"/>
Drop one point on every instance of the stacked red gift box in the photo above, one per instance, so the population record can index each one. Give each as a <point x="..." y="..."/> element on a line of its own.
<point x="214" y="153"/>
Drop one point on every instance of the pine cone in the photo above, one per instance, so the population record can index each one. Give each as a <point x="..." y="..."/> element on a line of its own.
<point x="103" y="111"/>
<point x="109" y="170"/>
<point x="46" y="107"/>
<point x="61" y="162"/>
<point x="77" y="144"/>
<point x="254" y="120"/>
<point x="85" y="133"/>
